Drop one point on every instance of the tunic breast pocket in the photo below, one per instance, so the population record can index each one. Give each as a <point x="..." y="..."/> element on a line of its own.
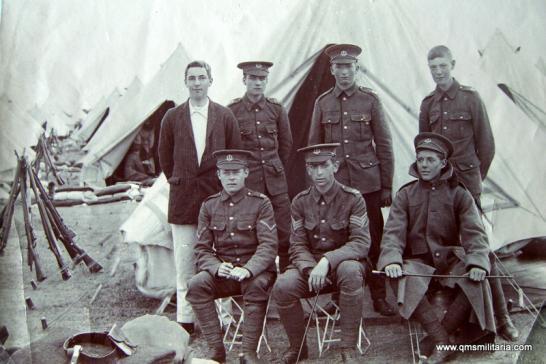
<point x="310" y="226"/>
<point x="433" y="118"/>
<point x="461" y="124"/>
<point x="330" y="125"/>
<point x="340" y="232"/>
<point x="272" y="134"/>
<point x="218" y="228"/>
<point x="361" y="124"/>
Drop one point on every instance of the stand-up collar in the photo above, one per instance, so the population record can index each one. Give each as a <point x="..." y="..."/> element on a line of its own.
<point x="450" y="93"/>
<point x="329" y="195"/>
<point x="238" y="196"/>
<point x="349" y="92"/>
<point x="252" y="105"/>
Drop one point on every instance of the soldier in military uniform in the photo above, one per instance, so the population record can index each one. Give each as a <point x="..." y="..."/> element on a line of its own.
<point x="265" y="132"/>
<point x="235" y="253"/>
<point x="329" y="244"/>
<point x="434" y="227"/>
<point x="353" y="116"/>
<point x="458" y="113"/>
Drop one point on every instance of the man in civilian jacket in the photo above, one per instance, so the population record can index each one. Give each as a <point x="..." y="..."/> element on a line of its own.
<point x="189" y="134"/>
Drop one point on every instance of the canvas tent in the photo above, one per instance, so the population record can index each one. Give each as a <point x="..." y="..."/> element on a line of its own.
<point x="96" y="116"/>
<point x="516" y="76"/>
<point x="394" y="64"/>
<point x="111" y="142"/>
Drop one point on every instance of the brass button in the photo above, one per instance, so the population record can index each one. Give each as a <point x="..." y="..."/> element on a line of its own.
<point x="471" y="165"/>
<point x="259" y="137"/>
<point x="344" y="99"/>
<point x="257" y="110"/>
<point x="232" y="234"/>
<point x="322" y="221"/>
<point x="445" y="128"/>
<point x="231" y="217"/>
<point x="231" y="204"/>
<point x="257" y="122"/>
<point x="346" y="155"/>
<point x="238" y="259"/>
<point x="323" y="239"/>
<point x="315" y="236"/>
<point x="445" y="112"/>
<point x="345" y="127"/>
<point x="329" y="120"/>
<point x="261" y="148"/>
<point x="436" y="254"/>
<point x="263" y="162"/>
<point x="345" y="141"/>
<point x="433" y="188"/>
<point x="367" y="123"/>
<point x="345" y="113"/>
<point x="236" y="246"/>
<point x="371" y="163"/>
<point x="322" y="202"/>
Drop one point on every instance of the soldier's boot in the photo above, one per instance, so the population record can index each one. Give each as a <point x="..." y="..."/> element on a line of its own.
<point x="252" y="330"/>
<point x="436" y="333"/>
<point x="505" y="327"/>
<point x="212" y="332"/>
<point x="292" y="320"/>
<point x="351" y="305"/>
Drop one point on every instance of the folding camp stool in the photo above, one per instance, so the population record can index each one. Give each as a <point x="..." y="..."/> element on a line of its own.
<point x="325" y="323"/>
<point x="233" y="335"/>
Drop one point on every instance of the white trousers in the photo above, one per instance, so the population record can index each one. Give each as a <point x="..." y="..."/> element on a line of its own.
<point x="183" y="241"/>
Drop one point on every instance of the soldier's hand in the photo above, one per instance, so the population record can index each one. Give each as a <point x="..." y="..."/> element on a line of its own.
<point x="240" y="274"/>
<point x="224" y="271"/>
<point x="386" y="197"/>
<point x="477" y="274"/>
<point x="317" y="277"/>
<point x="393" y="271"/>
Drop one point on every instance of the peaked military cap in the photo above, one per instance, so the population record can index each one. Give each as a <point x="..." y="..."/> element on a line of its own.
<point x="433" y="141"/>
<point x="256" y="68"/>
<point x="319" y="153"/>
<point x="343" y="53"/>
<point x="231" y="158"/>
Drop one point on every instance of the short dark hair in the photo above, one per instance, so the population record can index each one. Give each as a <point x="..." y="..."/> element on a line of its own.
<point x="201" y="64"/>
<point x="439" y="51"/>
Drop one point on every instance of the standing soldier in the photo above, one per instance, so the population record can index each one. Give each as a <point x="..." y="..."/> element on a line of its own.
<point x="235" y="252"/>
<point x="265" y="132"/>
<point x="353" y="116"/>
<point x="458" y="113"/>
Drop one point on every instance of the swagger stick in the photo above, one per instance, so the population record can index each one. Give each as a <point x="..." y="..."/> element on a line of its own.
<point x="409" y="274"/>
<point x="307" y="326"/>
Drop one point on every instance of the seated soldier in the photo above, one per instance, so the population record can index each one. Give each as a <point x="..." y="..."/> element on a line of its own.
<point x="138" y="165"/>
<point x="235" y="253"/>
<point x="434" y="227"/>
<point x="329" y="244"/>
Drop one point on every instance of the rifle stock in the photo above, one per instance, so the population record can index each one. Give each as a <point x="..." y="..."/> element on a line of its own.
<point x="33" y="257"/>
<point x="7" y="212"/>
<point x="65" y="272"/>
<point x="64" y="234"/>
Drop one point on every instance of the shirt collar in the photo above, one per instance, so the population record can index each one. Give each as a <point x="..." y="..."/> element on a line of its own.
<point x="251" y="105"/>
<point x="450" y="93"/>
<point x="349" y="92"/>
<point x="328" y="196"/>
<point x="203" y="110"/>
<point x="224" y="196"/>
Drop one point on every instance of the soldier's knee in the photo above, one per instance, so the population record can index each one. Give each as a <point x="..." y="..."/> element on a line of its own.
<point x="350" y="274"/>
<point x="199" y="288"/>
<point x="280" y="288"/>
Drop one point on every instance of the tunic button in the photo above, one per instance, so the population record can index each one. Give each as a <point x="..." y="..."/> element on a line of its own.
<point x="323" y="239"/>
<point x="345" y="127"/>
<point x="231" y="204"/>
<point x="315" y="236"/>
<point x="433" y="188"/>
<point x="436" y="254"/>
<point x="322" y="221"/>
<point x="445" y="98"/>
<point x="322" y="203"/>
<point x="232" y="234"/>
<point x="371" y="163"/>
<point x="445" y="112"/>
<point x="471" y="165"/>
<point x="345" y="141"/>
<point x="238" y="259"/>
<point x="262" y="148"/>
<point x="346" y="155"/>
<point x="367" y="123"/>
<point x="345" y="113"/>
<point x="257" y="122"/>
<point x="445" y="127"/>
<point x="236" y="246"/>
<point x="263" y="162"/>
<point x="329" y="120"/>
<point x="259" y="137"/>
<point x="231" y="217"/>
<point x="250" y="226"/>
<point x="344" y="99"/>
<point x="256" y="110"/>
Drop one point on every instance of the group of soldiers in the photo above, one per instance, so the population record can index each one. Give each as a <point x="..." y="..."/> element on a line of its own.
<point x="331" y="235"/>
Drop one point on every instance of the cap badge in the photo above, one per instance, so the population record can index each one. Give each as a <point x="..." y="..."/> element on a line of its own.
<point x="258" y="65"/>
<point x="229" y="157"/>
<point x="343" y="53"/>
<point x="316" y="151"/>
<point x="427" y="140"/>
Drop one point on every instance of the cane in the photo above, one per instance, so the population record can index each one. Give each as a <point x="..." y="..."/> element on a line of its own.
<point x="408" y="274"/>
<point x="307" y="326"/>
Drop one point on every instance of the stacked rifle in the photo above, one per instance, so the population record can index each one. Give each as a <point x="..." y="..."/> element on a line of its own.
<point x="54" y="227"/>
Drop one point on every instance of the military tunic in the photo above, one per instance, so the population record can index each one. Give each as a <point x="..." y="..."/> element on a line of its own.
<point x="460" y="115"/>
<point x="355" y="119"/>
<point x="265" y="132"/>
<point x="238" y="229"/>
<point x="437" y="225"/>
